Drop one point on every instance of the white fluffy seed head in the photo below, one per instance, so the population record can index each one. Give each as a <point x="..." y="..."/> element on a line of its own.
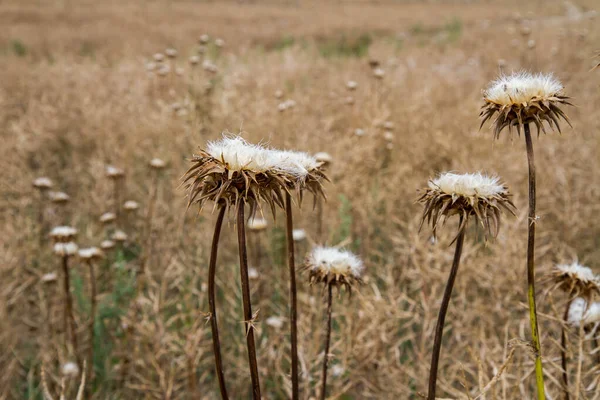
<point x="252" y="273"/>
<point x="119" y="236"/>
<point x="171" y="53"/>
<point x="114" y="172"/>
<point x="240" y="155"/>
<point x="522" y="87"/>
<point x="468" y="184"/>
<point x="59" y="197"/>
<point x="70" y="369"/>
<point x="298" y="235"/>
<point x="333" y="261"/>
<point x="204" y="38"/>
<point x="378" y="73"/>
<point x="275" y="322"/>
<point x="107" y="217"/>
<point x="131" y="205"/>
<point x="578" y="313"/>
<point x="351" y="85"/>
<point x="90" y="253"/>
<point x="63" y="233"/>
<point x="257" y="224"/>
<point x="107" y="244"/>
<point x="577" y="271"/>
<point x="323" y="157"/>
<point x="42" y="183"/>
<point x="158" y="57"/>
<point x="49" y="277"/>
<point x="219" y="42"/>
<point x="65" y="249"/>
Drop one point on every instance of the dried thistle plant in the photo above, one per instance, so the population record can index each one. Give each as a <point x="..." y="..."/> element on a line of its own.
<point x="65" y="248"/>
<point x="519" y="100"/>
<point x="333" y="268"/>
<point x="233" y="173"/>
<point x="43" y="185"/>
<point x="469" y="196"/>
<point x="577" y="281"/>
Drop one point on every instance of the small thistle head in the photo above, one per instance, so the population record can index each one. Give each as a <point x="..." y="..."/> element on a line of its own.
<point x="171" y="52"/>
<point x="59" y="197"/>
<point x="582" y="312"/>
<point x="575" y="279"/>
<point x="70" y="370"/>
<point x="468" y="195"/>
<point x="298" y="235"/>
<point x="107" y="217"/>
<point x="219" y="42"/>
<point x="275" y="322"/>
<point x="113" y="172"/>
<point x="324" y="158"/>
<point x="332" y="266"/>
<point x="204" y="39"/>
<point x="65" y="249"/>
<point x="119" y="236"/>
<point x="231" y="170"/>
<point x="209" y="66"/>
<point x="50" y="277"/>
<point x="194" y="60"/>
<point x="523" y="98"/>
<point x="42" y="183"/>
<point x="351" y="85"/>
<point x="90" y="254"/>
<point x="257" y="224"/>
<point x="158" y="57"/>
<point x="63" y="234"/>
<point x="157" y="163"/>
<point x="379" y="73"/>
<point x="107" y="245"/>
<point x="131" y="205"/>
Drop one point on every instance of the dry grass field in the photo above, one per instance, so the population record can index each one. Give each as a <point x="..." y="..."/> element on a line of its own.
<point x="77" y="94"/>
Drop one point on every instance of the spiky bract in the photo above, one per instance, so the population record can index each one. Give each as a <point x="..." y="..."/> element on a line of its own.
<point x="523" y="98"/>
<point x="468" y="195"/>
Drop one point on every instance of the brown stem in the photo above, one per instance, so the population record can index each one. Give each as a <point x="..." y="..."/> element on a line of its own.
<point x="211" y="302"/>
<point x="289" y="226"/>
<point x="595" y="344"/>
<point x="439" y="328"/>
<point x="241" y="230"/>
<point x="563" y="351"/>
<point x="93" y="320"/>
<point x="68" y="317"/>
<point x="327" y="342"/>
<point x="147" y="250"/>
<point x="535" y="335"/>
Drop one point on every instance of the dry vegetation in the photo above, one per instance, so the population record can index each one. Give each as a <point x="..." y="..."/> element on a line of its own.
<point x="75" y="97"/>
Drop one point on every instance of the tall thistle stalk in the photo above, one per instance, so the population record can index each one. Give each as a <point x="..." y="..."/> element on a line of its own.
<point x="212" y="268"/>
<point x="517" y="101"/>
<point x="246" y="302"/>
<point x="333" y="268"/>
<point x="470" y="196"/>
<point x="289" y="227"/>
<point x="42" y="185"/>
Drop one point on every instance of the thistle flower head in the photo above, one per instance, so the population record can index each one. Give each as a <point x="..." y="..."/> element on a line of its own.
<point x="477" y="195"/>
<point x="333" y="266"/>
<point x="107" y="244"/>
<point x="107" y="217"/>
<point x="90" y="254"/>
<point x="275" y="322"/>
<point x="298" y="235"/>
<point x="113" y="172"/>
<point x="351" y="85"/>
<point x="582" y="313"/>
<point x="194" y="60"/>
<point x="42" y="183"/>
<point x="257" y="224"/>
<point x="576" y="279"/>
<point x="158" y="57"/>
<point x="171" y="52"/>
<point x="204" y="39"/>
<point x="50" y="277"/>
<point x="131" y="205"/>
<point x="523" y="98"/>
<point x="219" y="42"/>
<point x="157" y="163"/>
<point x="65" y="249"/>
<point x="378" y="73"/>
<point x="324" y="158"/>
<point x="70" y="369"/>
<point x="231" y="169"/>
<point x="59" y="197"/>
<point x="63" y="233"/>
<point x="119" y="236"/>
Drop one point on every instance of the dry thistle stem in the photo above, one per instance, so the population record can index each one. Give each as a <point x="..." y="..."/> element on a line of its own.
<point x="465" y="195"/>
<point x="523" y="98"/>
<point x="332" y="267"/>
<point x="468" y="195"/>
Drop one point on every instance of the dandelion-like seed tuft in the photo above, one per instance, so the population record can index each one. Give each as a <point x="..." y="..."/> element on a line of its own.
<point x="575" y="279"/>
<point x="580" y="313"/>
<point x="333" y="266"/>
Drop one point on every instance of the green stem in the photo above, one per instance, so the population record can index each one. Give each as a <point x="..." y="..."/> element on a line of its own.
<point x="533" y="319"/>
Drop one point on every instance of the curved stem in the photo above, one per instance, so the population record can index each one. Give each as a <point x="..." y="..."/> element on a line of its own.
<point x="211" y="301"/>
<point x="535" y="336"/>
<point x="327" y="342"/>
<point x="241" y="230"/>
<point x="439" y="328"/>
<point x="563" y="351"/>
<point x="90" y="363"/>
<point x="289" y="225"/>
<point x="68" y="317"/>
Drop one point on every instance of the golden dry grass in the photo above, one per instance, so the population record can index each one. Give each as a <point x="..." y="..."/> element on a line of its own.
<point x="75" y="96"/>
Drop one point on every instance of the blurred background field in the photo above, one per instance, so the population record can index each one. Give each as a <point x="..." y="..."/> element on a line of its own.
<point x="80" y="90"/>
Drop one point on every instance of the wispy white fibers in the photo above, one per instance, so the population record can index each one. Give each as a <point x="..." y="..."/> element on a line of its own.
<point x="522" y="87"/>
<point x="468" y="184"/>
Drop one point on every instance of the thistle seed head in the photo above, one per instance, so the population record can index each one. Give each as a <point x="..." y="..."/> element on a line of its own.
<point x="204" y="39"/>
<point x="107" y="245"/>
<point x="333" y="266"/>
<point x="119" y="236"/>
<point x="63" y="234"/>
<point x="477" y="195"/>
<point x="114" y="172"/>
<point x="157" y="163"/>
<point x="219" y="42"/>
<point x="378" y="73"/>
<point x="42" y="183"/>
<point x="523" y="98"/>
<point x="59" y="197"/>
<point x="171" y="53"/>
<point x="131" y="205"/>
<point x="351" y="85"/>
<point x="90" y="254"/>
<point x="275" y="322"/>
<point x="576" y="279"/>
<point x="194" y="60"/>
<point x="67" y="249"/>
<point x="70" y="370"/>
<point x="158" y="57"/>
<point x="581" y="312"/>
<point x="50" y="277"/>
<point x="257" y="224"/>
<point x="107" y="217"/>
